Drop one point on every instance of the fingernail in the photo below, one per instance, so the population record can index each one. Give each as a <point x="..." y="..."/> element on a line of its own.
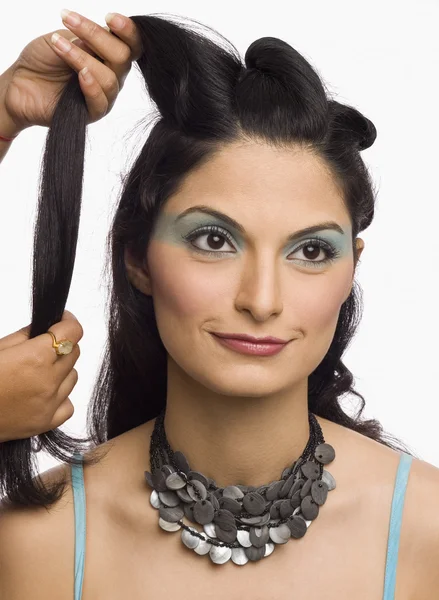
<point x="86" y="75"/>
<point x="71" y="18"/>
<point x="60" y="42"/>
<point x="114" y="20"/>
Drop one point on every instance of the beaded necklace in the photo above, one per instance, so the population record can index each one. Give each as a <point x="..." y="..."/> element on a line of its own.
<point x="239" y="522"/>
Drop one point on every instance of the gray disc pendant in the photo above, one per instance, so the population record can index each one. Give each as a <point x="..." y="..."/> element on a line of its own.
<point x="224" y="519"/>
<point x="255" y="553"/>
<point x="196" y="490"/>
<point x="233" y="492"/>
<point x="195" y="475"/>
<point x="220" y="554"/>
<point x="230" y="504"/>
<point x="310" y="470"/>
<point x="306" y="488"/>
<point x="167" y="470"/>
<point x="172" y="513"/>
<point x="274" y="489"/>
<point x="328" y="479"/>
<point x="239" y="557"/>
<point x="254" y="503"/>
<point x="189" y="540"/>
<point x="227" y="535"/>
<point x="203" y="547"/>
<point x="319" y="492"/>
<point x="181" y="462"/>
<point x="259" y="536"/>
<point x="297" y="526"/>
<point x="203" y="512"/>
<point x="324" y="453"/>
<point x="169" y="498"/>
<point x="175" y="482"/>
<point x="309" y="508"/>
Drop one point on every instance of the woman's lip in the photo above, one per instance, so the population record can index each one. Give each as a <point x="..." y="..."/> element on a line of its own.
<point x="249" y="338"/>
<point x="252" y="348"/>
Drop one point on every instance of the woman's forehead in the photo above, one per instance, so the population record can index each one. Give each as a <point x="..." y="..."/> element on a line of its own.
<point x="258" y="180"/>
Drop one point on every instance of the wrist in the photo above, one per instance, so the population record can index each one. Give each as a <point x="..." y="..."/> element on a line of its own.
<point x="8" y="128"/>
<point x="7" y="139"/>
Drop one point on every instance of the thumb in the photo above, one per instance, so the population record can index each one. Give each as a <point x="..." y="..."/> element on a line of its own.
<point x="13" y="339"/>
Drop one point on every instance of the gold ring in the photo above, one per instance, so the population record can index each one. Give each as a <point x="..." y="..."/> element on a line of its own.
<point x="62" y="347"/>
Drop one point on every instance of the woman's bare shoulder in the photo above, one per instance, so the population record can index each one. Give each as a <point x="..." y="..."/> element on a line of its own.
<point x="370" y="468"/>
<point x="419" y="547"/>
<point x="37" y="545"/>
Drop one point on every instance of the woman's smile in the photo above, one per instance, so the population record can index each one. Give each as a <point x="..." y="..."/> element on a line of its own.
<point x="254" y="348"/>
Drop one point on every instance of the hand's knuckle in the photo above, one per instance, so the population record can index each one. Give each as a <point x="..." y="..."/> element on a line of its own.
<point x="41" y="422"/>
<point x="32" y="379"/>
<point x="25" y="330"/>
<point x="70" y="410"/>
<point x="124" y="55"/>
<point x="92" y="29"/>
<point x="35" y="360"/>
<point x="78" y="332"/>
<point x="111" y="85"/>
<point x="95" y="96"/>
<point x="47" y="393"/>
<point x="33" y="427"/>
<point x="81" y="59"/>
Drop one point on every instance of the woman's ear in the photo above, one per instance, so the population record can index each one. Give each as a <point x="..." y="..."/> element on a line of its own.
<point x="359" y="242"/>
<point x="137" y="274"/>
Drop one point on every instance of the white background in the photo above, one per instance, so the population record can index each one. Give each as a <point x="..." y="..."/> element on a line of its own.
<point x="382" y="58"/>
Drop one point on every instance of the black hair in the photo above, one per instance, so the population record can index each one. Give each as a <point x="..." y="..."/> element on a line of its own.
<point x="206" y="98"/>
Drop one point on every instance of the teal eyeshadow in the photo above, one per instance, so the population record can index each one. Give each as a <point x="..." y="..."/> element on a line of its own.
<point x="168" y="229"/>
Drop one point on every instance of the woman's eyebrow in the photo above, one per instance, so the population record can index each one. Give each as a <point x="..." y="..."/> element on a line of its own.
<point x="219" y="215"/>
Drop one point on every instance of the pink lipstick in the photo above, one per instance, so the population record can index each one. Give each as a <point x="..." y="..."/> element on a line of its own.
<point x="245" y="344"/>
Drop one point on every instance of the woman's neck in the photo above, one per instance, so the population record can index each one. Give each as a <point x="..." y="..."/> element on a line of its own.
<point x="235" y="440"/>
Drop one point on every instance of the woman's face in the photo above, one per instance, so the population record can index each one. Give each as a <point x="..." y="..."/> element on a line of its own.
<point x="207" y="275"/>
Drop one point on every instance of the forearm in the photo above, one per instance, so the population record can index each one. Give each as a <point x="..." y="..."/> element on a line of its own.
<point x="7" y="127"/>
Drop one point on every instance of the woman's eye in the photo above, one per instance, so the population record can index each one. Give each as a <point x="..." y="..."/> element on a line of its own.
<point x="214" y="240"/>
<point x="312" y="252"/>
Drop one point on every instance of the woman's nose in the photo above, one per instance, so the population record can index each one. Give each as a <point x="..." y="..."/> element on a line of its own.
<point x="260" y="289"/>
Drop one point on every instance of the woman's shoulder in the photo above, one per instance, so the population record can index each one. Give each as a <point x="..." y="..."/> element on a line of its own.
<point x="37" y="544"/>
<point x="364" y="462"/>
<point x="368" y="470"/>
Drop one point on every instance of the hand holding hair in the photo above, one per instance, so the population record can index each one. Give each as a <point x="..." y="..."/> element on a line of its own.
<point x="35" y="381"/>
<point x="30" y="88"/>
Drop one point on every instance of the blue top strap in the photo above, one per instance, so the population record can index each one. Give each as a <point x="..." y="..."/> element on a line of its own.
<point x="79" y="501"/>
<point x="395" y="524"/>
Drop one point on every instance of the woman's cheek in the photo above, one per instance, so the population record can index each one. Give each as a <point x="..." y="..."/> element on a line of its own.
<point x="183" y="290"/>
<point x="317" y="310"/>
<point x="322" y="308"/>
